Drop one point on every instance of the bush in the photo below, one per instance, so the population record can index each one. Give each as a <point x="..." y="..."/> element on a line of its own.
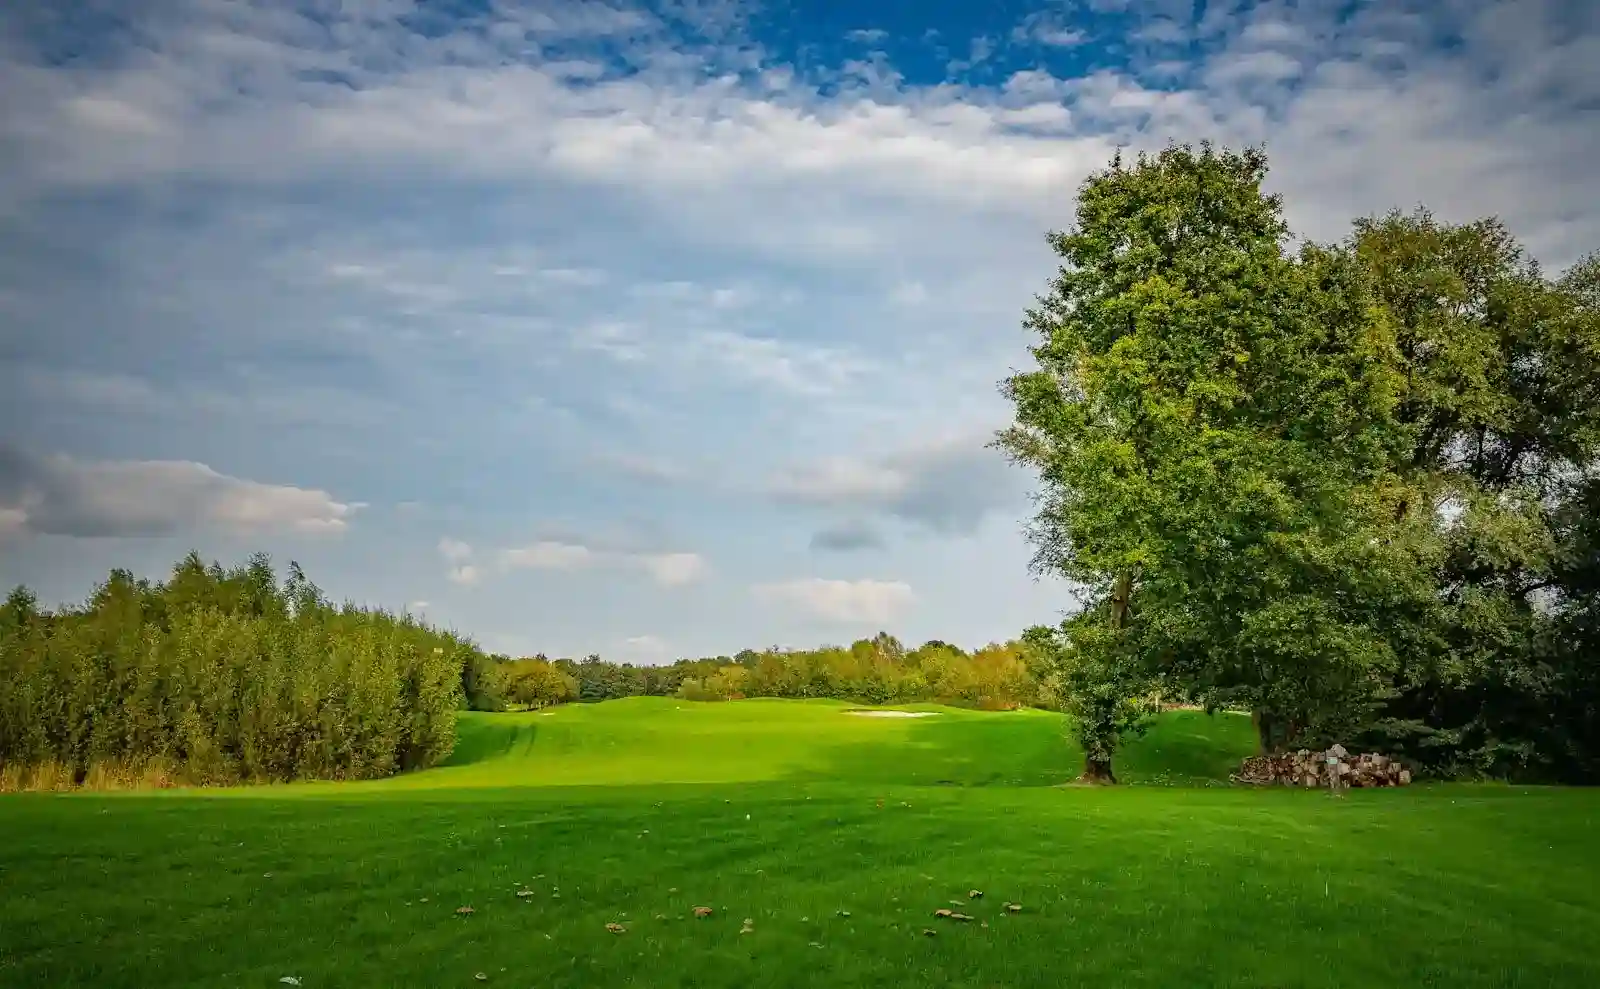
<point x="536" y="683"/>
<point x="220" y="677"/>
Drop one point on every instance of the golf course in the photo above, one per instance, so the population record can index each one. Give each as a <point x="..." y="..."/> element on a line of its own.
<point x="1097" y="495"/>
<point x="571" y="847"/>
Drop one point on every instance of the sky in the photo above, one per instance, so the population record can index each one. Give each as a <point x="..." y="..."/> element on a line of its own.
<point x="650" y="330"/>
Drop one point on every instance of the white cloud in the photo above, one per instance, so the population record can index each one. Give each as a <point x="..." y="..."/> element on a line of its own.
<point x="456" y="553"/>
<point x="674" y="569"/>
<point x="842" y="479"/>
<point x="1268" y="32"/>
<point x="866" y="36"/>
<point x="484" y="103"/>
<point x="849" y="602"/>
<point x="1268" y="67"/>
<point x="1162" y="31"/>
<point x="789" y="365"/>
<point x="117" y="498"/>
<point x="704" y="151"/>
<point x="1044" y="28"/>
<point x="548" y="555"/>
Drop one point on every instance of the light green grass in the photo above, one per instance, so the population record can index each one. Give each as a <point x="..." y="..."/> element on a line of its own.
<point x="788" y="813"/>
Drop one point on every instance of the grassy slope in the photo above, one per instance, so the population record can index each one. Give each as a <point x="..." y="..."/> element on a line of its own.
<point x="771" y="810"/>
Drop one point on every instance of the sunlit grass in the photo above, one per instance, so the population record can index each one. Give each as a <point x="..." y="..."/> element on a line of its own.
<point x="838" y="836"/>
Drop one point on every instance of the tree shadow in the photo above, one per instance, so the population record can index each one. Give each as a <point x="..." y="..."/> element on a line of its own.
<point x="1031" y="748"/>
<point x="483" y="738"/>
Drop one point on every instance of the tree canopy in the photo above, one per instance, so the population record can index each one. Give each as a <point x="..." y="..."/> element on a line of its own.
<point x="1305" y="481"/>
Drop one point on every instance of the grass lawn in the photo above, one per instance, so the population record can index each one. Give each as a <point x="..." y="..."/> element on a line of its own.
<point x="836" y="836"/>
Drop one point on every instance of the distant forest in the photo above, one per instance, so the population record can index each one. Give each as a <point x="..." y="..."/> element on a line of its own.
<point x="879" y="670"/>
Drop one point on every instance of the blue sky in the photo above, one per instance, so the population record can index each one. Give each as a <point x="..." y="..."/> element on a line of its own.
<point x="649" y="330"/>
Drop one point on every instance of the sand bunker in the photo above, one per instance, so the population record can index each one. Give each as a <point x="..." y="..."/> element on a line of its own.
<point x="894" y="714"/>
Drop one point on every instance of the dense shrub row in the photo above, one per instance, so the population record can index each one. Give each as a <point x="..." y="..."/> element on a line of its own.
<point x="220" y="676"/>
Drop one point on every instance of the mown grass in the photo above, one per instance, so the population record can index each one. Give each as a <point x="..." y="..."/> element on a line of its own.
<point x="793" y="815"/>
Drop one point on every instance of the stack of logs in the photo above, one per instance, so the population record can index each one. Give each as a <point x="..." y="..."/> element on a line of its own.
<point x="1315" y="769"/>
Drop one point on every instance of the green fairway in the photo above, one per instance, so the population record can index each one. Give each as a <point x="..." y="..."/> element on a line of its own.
<point x="837" y="836"/>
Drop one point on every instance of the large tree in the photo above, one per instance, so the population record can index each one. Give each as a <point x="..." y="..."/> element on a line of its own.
<point x="1500" y="408"/>
<point x="1211" y="421"/>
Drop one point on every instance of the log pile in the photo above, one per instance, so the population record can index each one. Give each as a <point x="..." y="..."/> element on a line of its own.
<point x="1321" y="769"/>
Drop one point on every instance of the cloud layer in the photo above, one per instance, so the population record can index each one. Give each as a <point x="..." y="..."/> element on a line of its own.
<point x="60" y="496"/>
<point x="947" y="486"/>
<point x="642" y="307"/>
<point x="845" y="602"/>
<point x="668" y="569"/>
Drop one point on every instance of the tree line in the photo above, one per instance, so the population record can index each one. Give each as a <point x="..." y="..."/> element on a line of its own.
<point x="877" y="670"/>
<point x="1353" y="487"/>
<point x="220" y="676"/>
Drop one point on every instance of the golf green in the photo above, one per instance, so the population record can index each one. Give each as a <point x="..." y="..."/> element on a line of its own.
<point x="823" y="842"/>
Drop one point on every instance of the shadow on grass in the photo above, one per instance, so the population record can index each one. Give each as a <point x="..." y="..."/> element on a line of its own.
<point x="1031" y="748"/>
<point x="485" y="739"/>
<point x="1189" y="747"/>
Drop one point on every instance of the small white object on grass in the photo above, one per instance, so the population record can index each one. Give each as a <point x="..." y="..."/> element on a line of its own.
<point x="289" y="980"/>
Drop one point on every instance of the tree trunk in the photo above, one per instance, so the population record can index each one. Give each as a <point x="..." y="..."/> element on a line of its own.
<point x="1121" y="591"/>
<point x="1097" y="771"/>
<point x="1276" y="731"/>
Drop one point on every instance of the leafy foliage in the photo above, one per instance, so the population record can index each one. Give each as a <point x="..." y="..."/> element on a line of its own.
<point x="1103" y="689"/>
<point x="536" y="683"/>
<point x="1500" y="408"/>
<point x="879" y="670"/>
<point x="1348" y="487"/>
<point x="1206" y="416"/>
<point x="220" y="676"/>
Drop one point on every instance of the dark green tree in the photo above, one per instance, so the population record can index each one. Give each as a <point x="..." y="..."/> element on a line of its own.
<point x="1500" y="408"/>
<point x="1211" y="422"/>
